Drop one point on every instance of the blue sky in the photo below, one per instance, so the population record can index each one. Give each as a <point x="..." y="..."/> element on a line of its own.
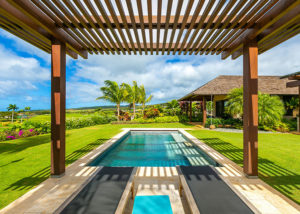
<point x="25" y="73"/>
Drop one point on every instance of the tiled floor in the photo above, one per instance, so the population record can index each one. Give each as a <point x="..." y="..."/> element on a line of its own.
<point x="50" y="194"/>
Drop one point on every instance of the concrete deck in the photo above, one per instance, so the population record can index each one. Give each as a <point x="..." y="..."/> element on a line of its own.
<point x="50" y="194"/>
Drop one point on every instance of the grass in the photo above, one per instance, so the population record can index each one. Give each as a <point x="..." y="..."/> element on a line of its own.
<point x="25" y="162"/>
<point x="47" y="117"/>
<point x="279" y="157"/>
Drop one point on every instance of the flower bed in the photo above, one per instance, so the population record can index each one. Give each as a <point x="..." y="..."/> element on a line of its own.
<point x="29" y="128"/>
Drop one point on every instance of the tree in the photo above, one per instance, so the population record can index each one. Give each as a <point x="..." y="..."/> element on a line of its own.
<point x="113" y="93"/>
<point x="27" y="109"/>
<point x="143" y="97"/>
<point x="173" y="105"/>
<point x="293" y="103"/>
<point x="13" y="108"/>
<point x="234" y="105"/>
<point x="132" y="94"/>
<point x="21" y="111"/>
<point x="270" y="108"/>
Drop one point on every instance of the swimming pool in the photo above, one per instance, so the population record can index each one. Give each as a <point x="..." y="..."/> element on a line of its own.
<point x="153" y="148"/>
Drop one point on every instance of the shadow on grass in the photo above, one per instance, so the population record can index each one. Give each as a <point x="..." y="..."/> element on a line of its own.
<point x="41" y="175"/>
<point x="23" y="143"/>
<point x="284" y="180"/>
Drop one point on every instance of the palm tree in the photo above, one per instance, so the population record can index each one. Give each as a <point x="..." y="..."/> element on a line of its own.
<point x="270" y="109"/>
<point x="13" y="108"/>
<point x="113" y="93"/>
<point x="173" y="105"/>
<point x="293" y="103"/>
<point x="234" y="105"/>
<point x="27" y="109"/>
<point x="143" y="98"/>
<point x="21" y="111"/>
<point x="132" y="94"/>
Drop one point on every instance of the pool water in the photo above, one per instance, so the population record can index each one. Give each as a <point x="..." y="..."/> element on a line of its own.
<point x="145" y="148"/>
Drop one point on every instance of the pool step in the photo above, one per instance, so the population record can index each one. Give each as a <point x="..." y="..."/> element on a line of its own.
<point x="180" y="140"/>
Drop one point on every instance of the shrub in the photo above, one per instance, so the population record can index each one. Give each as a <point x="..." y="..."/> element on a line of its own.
<point x="166" y="119"/>
<point x="151" y="113"/>
<point x="29" y="128"/>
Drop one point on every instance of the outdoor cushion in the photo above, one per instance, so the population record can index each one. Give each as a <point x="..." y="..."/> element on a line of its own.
<point x="211" y="194"/>
<point x="102" y="194"/>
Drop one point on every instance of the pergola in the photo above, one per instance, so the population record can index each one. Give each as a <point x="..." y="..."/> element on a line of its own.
<point x="82" y="27"/>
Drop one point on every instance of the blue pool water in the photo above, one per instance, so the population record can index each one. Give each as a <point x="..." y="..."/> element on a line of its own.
<point x="153" y="204"/>
<point x="145" y="148"/>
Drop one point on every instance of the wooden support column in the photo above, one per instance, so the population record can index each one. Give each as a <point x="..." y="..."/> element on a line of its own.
<point x="186" y="108"/>
<point x="58" y="106"/>
<point x="298" y="118"/>
<point x="191" y="112"/>
<point x="204" y="111"/>
<point x="250" y="108"/>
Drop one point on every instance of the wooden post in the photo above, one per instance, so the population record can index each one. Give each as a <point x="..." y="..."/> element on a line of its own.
<point x="186" y="108"/>
<point x="298" y="118"/>
<point x="191" y="112"/>
<point x="250" y="108"/>
<point x="204" y="111"/>
<point x="58" y="106"/>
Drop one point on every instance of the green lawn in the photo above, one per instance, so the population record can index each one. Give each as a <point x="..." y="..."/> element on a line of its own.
<point x="24" y="163"/>
<point x="279" y="157"/>
<point x="47" y="117"/>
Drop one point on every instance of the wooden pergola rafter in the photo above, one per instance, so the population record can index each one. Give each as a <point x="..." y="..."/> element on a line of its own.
<point x="115" y="27"/>
<point x="82" y="27"/>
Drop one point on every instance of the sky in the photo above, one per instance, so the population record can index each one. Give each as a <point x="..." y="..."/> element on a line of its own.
<point x="25" y="73"/>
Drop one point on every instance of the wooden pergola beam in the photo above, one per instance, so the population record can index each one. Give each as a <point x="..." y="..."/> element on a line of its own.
<point x="27" y="12"/>
<point x="276" y="13"/>
<point x="293" y="84"/>
<point x="144" y="21"/>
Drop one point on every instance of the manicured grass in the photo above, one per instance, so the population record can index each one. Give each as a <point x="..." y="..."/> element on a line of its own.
<point x="25" y="162"/>
<point x="47" y="117"/>
<point x="279" y="157"/>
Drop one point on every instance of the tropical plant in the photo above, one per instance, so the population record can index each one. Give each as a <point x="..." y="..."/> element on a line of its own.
<point x="270" y="108"/>
<point x="173" y="106"/>
<point x="21" y="112"/>
<point x="234" y="104"/>
<point x="132" y="94"/>
<point x="293" y="103"/>
<point x="13" y="108"/>
<point x="113" y="93"/>
<point x="143" y="98"/>
<point x="27" y="109"/>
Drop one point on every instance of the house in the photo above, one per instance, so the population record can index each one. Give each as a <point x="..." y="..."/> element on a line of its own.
<point x="218" y="88"/>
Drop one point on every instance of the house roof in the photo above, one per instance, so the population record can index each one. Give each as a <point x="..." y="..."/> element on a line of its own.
<point x="223" y="84"/>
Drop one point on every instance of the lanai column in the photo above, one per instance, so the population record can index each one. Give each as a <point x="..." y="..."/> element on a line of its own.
<point x="58" y="106"/>
<point x="191" y="111"/>
<point x="204" y="110"/>
<point x="250" y="108"/>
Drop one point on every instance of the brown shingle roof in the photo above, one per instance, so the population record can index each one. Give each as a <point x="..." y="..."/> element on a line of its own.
<point x="223" y="84"/>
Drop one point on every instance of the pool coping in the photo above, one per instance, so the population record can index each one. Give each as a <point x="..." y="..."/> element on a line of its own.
<point x="50" y="194"/>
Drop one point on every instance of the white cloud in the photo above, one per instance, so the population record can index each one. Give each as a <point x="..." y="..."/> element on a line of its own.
<point x="171" y="77"/>
<point x="19" y="73"/>
<point x="28" y="98"/>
